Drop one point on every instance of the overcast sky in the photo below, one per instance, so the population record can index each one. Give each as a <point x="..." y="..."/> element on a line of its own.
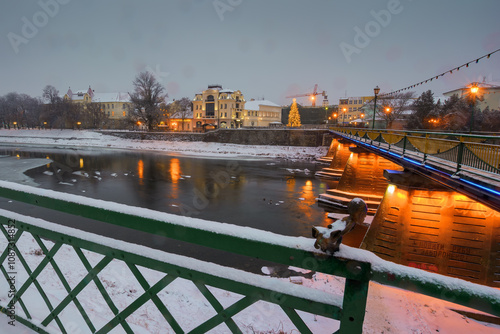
<point x="264" y="48"/>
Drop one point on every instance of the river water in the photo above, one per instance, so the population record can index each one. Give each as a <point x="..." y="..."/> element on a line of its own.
<point x="272" y="195"/>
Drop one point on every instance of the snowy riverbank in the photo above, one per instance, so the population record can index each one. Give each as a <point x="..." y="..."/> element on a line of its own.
<point x="86" y="138"/>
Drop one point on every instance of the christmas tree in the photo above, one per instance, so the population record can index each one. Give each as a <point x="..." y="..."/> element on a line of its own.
<point x="294" y="116"/>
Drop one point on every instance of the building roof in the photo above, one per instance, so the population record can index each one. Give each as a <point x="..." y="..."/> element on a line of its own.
<point x="254" y="105"/>
<point x="111" y="97"/>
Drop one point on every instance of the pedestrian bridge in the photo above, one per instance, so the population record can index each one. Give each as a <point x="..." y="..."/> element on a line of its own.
<point x="466" y="163"/>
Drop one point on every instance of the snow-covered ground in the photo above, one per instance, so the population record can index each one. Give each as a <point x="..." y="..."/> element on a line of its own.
<point x="83" y="138"/>
<point x="389" y="310"/>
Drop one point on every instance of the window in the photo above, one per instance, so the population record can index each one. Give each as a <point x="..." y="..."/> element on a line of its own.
<point x="210" y="109"/>
<point x="225" y="105"/>
<point x="112" y="113"/>
<point x="124" y="114"/>
<point x="112" y="106"/>
<point x="360" y="102"/>
<point x="225" y="114"/>
<point x="237" y="105"/>
<point x="350" y="101"/>
<point x="108" y="105"/>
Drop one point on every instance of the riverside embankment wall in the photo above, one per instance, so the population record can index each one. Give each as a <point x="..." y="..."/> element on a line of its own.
<point x="282" y="137"/>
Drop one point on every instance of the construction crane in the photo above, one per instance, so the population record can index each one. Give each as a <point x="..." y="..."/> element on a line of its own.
<point x="312" y="96"/>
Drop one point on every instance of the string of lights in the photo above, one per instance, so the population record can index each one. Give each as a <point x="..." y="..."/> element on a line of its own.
<point x="466" y="65"/>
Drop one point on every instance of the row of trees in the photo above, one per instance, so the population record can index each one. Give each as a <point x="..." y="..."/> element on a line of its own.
<point x="50" y="111"/>
<point x="148" y="106"/>
<point x="455" y="114"/>
<point x="425" y="113"/>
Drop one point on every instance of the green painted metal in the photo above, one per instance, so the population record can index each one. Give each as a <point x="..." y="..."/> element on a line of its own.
<point x="351" y="313"/>
<point x="172" y="272"/>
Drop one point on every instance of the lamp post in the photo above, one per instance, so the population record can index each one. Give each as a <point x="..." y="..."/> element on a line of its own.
<point x="343" y="116"/>
<point x="376" y="90"/>
<point x="473" y="90"/>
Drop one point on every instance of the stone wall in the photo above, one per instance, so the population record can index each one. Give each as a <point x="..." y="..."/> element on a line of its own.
<point x="282" y="137"/>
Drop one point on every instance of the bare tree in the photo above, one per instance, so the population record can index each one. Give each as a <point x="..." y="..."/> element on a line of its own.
<point x="20" y="109"/>
<point x="51" y="94"/>
<point x="392" y="107"/>
<point x="146" y="99"/>
<point x="95" y="117"/>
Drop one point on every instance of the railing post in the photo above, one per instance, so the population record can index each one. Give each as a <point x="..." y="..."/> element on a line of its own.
<point x="404" y="145"/>
<point x="460" y="155"/>
<point x="425" y="148"/>
<point x="353" y="307"/>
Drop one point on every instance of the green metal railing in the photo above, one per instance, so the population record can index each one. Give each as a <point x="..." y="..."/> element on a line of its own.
<point x="479" y="154"/>
<point x="357" y="266"/>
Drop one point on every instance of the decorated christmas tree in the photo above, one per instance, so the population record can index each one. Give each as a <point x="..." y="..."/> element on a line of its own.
<point x="294" y="116"/>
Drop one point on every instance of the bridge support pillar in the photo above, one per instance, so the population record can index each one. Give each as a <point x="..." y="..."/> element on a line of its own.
<point x="362" y="177"/>
<point x="337" y="155"/>
<point x="422" y="224"/>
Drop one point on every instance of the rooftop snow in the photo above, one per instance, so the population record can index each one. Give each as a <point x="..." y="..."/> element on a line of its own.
<point x="254" y="105"/>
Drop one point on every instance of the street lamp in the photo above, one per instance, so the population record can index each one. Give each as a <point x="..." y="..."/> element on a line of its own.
<point x="473" y="90"/>
<point x="336" y="120"/>
<point x="343" y="116"/>
<point x="376" y="90"/>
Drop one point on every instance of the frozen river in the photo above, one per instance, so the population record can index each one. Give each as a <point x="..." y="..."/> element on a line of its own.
<point x="277" y="196"/>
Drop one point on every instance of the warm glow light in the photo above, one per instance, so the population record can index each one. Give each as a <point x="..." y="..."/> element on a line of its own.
<point x="388" y="110"/>
<point x="391" y="188"/>
<point x="474" y="89"/>
<point x="313" y="97"/>
<point x="81" y="163"/>
<point x="140" y="169"/>
<point x="175" y="170"/>
<point x="17" y="155"/>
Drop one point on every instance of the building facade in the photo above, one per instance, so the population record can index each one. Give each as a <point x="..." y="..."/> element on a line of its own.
<point x="351" y="108"/>
<point x="218" y="108"/>
<point x="261" y="113"/>
<point x="114" y="105"/>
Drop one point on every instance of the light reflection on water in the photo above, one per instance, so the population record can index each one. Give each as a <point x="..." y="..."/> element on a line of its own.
<point x="263" y="194"/>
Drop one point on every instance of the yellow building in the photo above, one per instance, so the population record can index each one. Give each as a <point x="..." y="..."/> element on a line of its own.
<point x="260" y="113"/>
<point x="217" y="107"/>
<point x="114" y="105"/>
<point x="351" y="108"/>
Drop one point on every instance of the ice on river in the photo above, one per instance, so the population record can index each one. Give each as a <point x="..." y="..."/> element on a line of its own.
<point x="13" y="168"/>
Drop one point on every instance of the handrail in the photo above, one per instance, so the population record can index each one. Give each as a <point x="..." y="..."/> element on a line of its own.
<point x="358" y="266"/>
<point x="466" y="135"/>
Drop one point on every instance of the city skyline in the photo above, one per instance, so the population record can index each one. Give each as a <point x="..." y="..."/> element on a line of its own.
<point x="266" y="50"/>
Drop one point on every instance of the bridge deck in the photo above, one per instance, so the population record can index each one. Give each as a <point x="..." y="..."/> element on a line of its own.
<point x="481" y="185"/>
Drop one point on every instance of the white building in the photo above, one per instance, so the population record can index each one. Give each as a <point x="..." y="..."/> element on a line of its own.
<point x="259" y="113"/>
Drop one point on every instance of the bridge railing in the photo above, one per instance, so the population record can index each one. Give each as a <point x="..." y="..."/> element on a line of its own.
<point x="24" y="277"/>
<point x="455" y="152"/>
